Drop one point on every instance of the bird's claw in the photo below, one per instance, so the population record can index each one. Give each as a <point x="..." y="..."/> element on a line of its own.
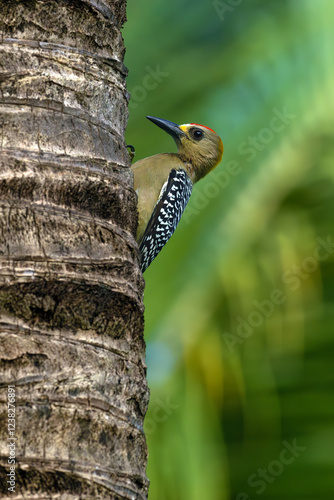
<point x="132" y="151"/>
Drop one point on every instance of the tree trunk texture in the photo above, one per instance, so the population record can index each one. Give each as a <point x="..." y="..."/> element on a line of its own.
<point x="71" y="310"/>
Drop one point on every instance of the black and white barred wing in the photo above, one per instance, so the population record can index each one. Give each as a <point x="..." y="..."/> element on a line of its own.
<point x="166" y="215"/>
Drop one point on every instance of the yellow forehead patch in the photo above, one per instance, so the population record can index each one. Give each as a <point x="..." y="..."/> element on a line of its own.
<point x="186" y="126"/>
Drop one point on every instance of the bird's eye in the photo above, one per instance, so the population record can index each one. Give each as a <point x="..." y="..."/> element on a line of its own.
<point x="197" y="134"/>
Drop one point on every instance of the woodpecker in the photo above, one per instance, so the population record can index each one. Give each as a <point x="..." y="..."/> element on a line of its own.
<point x="164" y="183"/>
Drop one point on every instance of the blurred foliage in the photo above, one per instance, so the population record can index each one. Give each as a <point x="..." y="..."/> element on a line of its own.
<point x="239" y="304"/>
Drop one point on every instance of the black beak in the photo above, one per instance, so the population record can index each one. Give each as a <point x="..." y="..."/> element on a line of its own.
<point x="170" y="127"/>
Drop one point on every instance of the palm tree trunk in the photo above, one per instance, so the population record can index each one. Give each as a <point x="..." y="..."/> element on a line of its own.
<point x="73" y="393"/>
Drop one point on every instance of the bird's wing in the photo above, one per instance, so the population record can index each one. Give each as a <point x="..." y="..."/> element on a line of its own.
<point x="166" y="215"/>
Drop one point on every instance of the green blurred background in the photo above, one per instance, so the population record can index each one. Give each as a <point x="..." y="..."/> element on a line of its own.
<point x="239" y="304"/>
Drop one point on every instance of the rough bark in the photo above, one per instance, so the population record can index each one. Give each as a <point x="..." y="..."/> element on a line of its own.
<point x="71" y="311"/>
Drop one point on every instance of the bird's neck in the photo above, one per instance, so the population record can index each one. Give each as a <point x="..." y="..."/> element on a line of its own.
<point x="197" y="168"/>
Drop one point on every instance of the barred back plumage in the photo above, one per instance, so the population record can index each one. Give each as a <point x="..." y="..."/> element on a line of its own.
<point x="166" y="215"/>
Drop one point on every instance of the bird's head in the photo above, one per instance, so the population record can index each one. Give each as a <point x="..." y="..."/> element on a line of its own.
<point x="198" y="145"/>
